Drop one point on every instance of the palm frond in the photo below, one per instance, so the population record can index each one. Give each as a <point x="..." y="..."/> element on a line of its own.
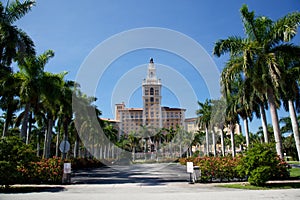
<point x="16" y="10"/>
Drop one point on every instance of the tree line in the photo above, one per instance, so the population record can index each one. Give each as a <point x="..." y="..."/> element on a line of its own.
<point x="262" y="73"/>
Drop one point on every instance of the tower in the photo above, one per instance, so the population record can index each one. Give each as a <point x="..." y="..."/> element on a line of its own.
<point x="152" y="98"/>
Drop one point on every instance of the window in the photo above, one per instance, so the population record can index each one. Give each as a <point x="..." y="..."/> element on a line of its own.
<point x="151" y="99"/>
<point x="151" y="91"/>
<point x="151" y="74"/>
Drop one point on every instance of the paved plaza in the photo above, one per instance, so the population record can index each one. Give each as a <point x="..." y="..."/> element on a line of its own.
<point x="145" y="181"/>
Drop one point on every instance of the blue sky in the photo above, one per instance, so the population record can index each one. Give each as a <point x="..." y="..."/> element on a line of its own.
<point x="73" y="29"/>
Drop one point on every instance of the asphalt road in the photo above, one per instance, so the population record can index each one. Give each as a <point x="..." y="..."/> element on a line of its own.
<point x="146" y="181"/>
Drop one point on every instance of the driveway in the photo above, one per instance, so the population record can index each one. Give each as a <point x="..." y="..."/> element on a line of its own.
<point x="147" y="174"/>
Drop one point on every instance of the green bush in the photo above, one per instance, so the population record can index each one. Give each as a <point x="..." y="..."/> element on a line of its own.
<point x="261" y="164"/>
<point x="13" y="154"/>
<point x="260" y="175"/>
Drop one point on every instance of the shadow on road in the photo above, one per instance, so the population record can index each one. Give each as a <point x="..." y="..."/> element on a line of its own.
<point x="146" y="174"/>
<point x="30" y="189"/>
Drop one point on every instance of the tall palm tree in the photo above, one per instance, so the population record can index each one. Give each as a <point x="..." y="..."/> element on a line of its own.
<point x="204" y="117"/>
<point x="264" y="40"/>
<point x="231" y="116"/>
<point x="8" y="100"/>
<point x="65" y="110"/>
<point x="218" y="119"/>
<point x="30" y="78"/>
<point x="50" y="87"/>
<point x="290" y="92"/>
<point x="15" y="44"/>
<point x="134" y="141"/>
<point x="241" y="90"/>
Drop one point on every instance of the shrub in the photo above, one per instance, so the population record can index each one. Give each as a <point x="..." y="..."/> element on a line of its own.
<point x="260" y="175"/>
<point x="215" y="168"/>
<point x="261" y="164"/>
<point x="44" y="171"/>
<point x="13" y="154"/>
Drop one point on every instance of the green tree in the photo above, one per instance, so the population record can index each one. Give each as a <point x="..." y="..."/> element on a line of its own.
<point x="204" y="117"/>
<point x="218" y="119"/>
<point x="289" y="88"/>
<point x="15" y="44"/>
<point x="261" y="163"/>
<point x="13" y="154"/>
<point x="30" y="78"/>
<point x="264" y="40"/>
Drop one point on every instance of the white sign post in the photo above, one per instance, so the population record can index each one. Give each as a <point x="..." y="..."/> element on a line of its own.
<point x="66" y="179"/>
<point x="190" y="170"/>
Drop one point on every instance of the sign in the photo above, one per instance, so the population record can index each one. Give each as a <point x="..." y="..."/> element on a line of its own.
<point x="190" y="167"/>
<point x="64" y="146"/>
<point x="67" y="168"/>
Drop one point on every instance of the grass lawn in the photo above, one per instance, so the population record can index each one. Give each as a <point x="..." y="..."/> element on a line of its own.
<point x="268" y="186"/>
<point x="293" y="162"/>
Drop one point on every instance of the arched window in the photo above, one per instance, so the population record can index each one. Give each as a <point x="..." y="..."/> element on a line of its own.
<point x="151" y="74"/>
<point x="151" y="91"/>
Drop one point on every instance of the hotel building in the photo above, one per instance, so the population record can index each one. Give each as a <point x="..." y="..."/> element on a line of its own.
<point x="153" y="115"/>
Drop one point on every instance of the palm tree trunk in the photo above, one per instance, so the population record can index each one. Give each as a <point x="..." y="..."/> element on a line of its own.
<point x="214" y="143"/>
<point x="48" y="138"/>
<point x="264" y="123"/>
<point x="38" y="145"/>
<point x="5" y="128"/>
<point x="23" y="132"/>
<point x="29" y="128"/>
<point x="207" y="140"/>
<point x="76" y="146"/>
<point x="246" y="131"/>
<point x="57" y="141"/>
<point x="231" y="128"/>
<point x="275" y="123"/>
<point x="7" y="122"/>
<point x="222" y="142"/>
<point x="295" y="126"/>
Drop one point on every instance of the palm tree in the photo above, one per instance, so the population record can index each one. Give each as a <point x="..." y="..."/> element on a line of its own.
<point x="134" y="141"/>
<point x="241" y="90"/>
<point x="204" y="117"/>
<point x="51" y="86"/>
<point x="231" y="119"/>
<point x="8" y="101"/>
<point x="199" y="139"/>
<point x="264" y="40"/>
<point x="218" y="118"/>
<point x="289" y="89"/>
<point x="14" y="43"/>
<point x="30" y="79"/>
<point x="65" y="110"/>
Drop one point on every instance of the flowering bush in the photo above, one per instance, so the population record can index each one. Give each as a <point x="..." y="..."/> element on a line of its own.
<point x="44" y="171"/>
<point x="13" y="153"/>
<point x="215" y="168"/>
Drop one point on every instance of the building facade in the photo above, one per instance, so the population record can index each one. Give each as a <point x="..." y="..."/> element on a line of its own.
<point x="153" y="114"/>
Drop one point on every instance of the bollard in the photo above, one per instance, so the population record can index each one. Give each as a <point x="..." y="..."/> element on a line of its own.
<point x="190" y="170"/>
<point x="66" y="179"/>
